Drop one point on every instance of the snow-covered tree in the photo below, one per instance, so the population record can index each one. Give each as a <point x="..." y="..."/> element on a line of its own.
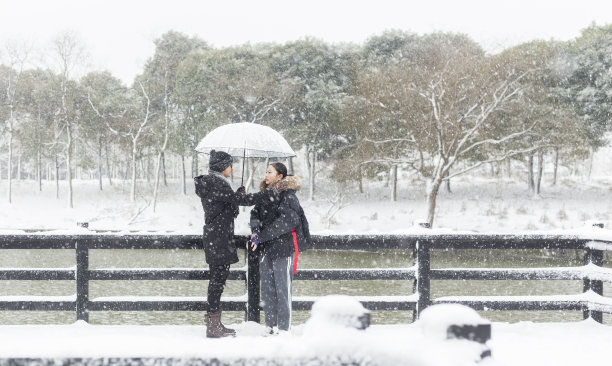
<point x="589" y="80"/>
<point x="38" y="96"/>
<point x="160" y="72"/>
<point x="17" y="54"/>
<point x="310" y="75"/>
<point x="68" y="52"/>
<point x="103" y="98"/>
<point x="436" y="106"/>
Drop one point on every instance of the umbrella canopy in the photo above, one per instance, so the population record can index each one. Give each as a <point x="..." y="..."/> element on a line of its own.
<point x="246" y="139"/>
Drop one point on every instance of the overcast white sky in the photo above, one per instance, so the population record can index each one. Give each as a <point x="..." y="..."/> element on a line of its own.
<point x="119" y="34"/>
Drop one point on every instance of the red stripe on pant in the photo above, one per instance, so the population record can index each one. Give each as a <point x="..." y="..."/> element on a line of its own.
<point x="297" y="251"/>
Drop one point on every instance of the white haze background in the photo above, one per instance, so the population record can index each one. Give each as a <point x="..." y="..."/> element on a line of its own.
<point x="120" y="34"/>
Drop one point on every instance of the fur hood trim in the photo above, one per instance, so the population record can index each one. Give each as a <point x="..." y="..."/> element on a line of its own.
<point x="294" y="183"/>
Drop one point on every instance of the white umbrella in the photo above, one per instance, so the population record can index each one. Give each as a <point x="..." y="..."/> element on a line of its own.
<point x="246" y="140"/>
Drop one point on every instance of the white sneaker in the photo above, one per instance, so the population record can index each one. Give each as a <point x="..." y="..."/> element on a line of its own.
<point x="270" y="331"/>
<point x="283" y="333"/>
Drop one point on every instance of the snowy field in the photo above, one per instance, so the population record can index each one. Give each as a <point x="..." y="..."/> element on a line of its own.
<point x="476" y="204"/>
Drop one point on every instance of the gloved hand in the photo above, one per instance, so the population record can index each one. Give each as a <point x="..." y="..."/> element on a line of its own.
<point x="255" y="239"/>
<point x="281" y="186"/>
<point x="241" y="190"/>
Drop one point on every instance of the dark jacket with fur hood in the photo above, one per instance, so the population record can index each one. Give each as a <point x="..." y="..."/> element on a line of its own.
<point x="220" y="204"/>
<point x="275" y="219"/>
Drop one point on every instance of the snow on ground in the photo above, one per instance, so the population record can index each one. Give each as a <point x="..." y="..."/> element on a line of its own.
<point x="478" y="203"/>
<point x="481" y="205"/>
<point x="524" y="343"/>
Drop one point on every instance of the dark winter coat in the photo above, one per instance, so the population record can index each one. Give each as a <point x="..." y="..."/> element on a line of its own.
<point x="220" y="204"/>
<point x="275" y="220"/>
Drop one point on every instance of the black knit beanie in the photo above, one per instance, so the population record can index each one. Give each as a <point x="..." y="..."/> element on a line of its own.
<point x="219" y="160"/>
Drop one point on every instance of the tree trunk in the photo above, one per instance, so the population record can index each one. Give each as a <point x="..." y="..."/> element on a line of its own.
<point x="183" y="180"/>
<point x="591" y="156"/>
<point x="109" y="172"/>
<point x="251" y="177"/>
<point x="360" y="179"/>
<point x="556" y="166"/>
<point x="69" y="164"/>
<point x="164" y="169"/>
<point x="157" y="177"/>
<point x="540" y="172"/>
<point x="252" y="167"/>
<point x="447" y="183"/>
<point x="432" y="195"/>
<point x="56" y="178"/>
<point x="289" y="167"/>
<point x="308" y="163"/>
<point x="38" y="170"/>
<point x="18" y="165"/>
<point x="530" y="179"/>
<point x="509" y="167"/>
<point x="393" y="176"/>
<point x="147" y="167"/>
<point x="100" y="162"/>
<point x="194" y="165"/>
<point x="9" y="167"/>
<point x="133" y="188"/>
<point x="311" y="190"/>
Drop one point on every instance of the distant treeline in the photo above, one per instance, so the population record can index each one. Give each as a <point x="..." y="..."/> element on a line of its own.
<point x="436" y="104"/>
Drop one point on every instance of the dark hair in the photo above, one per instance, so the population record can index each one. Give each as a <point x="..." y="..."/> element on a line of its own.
<point x="280" y="168"/>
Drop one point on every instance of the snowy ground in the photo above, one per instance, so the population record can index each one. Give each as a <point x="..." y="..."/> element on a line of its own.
<point x="525" y="343"/>
<point x="482" y="205"/>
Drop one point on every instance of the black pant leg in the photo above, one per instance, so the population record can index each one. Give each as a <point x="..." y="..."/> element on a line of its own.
<point x="218" y="276"/>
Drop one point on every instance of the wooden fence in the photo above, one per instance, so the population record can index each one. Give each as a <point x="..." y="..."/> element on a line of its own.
<point x="591" y="302"/>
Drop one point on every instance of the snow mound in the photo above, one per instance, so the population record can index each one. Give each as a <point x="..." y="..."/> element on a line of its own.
<point x="436" y="319"/>
<point x="337" y="311"/>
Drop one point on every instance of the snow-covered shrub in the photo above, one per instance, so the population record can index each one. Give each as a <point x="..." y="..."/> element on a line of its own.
<point x="335" y="311"/>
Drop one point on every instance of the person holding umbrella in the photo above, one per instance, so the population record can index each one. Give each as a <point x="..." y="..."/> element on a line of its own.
<point x="220" y="204"/>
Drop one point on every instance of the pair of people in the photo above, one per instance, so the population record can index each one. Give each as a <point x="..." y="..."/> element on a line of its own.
<point x="220" y="204"/>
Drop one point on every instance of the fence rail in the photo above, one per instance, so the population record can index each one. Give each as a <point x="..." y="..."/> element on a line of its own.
<point x="591" y="301"/>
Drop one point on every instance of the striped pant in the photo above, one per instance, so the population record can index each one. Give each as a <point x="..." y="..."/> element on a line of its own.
<point x="276" y="276"/>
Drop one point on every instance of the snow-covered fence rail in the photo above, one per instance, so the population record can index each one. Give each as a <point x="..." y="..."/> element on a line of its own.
<point x="591" y="301"/>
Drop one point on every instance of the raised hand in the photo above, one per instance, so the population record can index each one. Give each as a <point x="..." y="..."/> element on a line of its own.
<point x="282" y="186"/>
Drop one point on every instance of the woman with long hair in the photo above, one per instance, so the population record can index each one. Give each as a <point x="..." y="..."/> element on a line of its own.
<point x="278" y="227"/>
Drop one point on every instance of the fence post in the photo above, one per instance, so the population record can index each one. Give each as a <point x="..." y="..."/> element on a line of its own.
<point x="596" y="257"/>
<point x="422" y="276"/>
<point x="252" y="283"/>
<point x="82" y="282"/>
